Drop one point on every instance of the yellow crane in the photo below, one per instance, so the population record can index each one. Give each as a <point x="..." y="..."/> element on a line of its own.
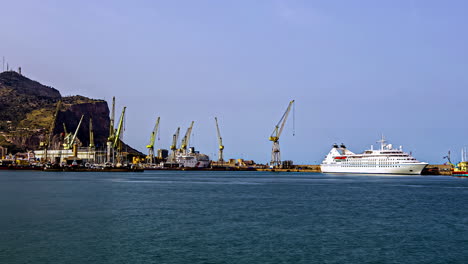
<point x="70" y="143"/>
<point x="175" y="137"/>
<point x="111" y="124"/>
<point x="118" y="132"/>
<point x="117" y="144"/>
<point x="275" y="136"/>
<point x="186" y="140"/>
<point x="150" y="146"/>
<point x="110" y="139"/>
<point x="48" y="139"/>
<point x="220" y="143"/>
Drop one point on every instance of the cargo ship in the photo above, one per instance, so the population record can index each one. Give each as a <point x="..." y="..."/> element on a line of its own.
<point x="385" y="160"/>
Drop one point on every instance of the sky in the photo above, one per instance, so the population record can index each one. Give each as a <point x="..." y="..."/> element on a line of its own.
<point x="357" y="69"/>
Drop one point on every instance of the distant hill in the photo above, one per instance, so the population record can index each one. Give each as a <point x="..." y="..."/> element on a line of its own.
<point x="27" y="108"/>
<point x="19" y="95"/>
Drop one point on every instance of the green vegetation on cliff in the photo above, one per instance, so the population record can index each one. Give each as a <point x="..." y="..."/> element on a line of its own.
<point x="27" y="108"/>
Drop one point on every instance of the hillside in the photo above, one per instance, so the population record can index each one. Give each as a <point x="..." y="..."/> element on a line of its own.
<point x="27" y="108"/>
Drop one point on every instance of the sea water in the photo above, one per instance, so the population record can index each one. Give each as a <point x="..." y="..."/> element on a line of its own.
<point x="231" y="217"/>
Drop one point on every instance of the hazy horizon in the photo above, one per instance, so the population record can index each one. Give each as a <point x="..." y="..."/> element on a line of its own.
<point x="356" y="70"/>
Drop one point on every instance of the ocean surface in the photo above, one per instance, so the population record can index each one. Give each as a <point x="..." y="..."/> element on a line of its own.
<point x="231" y="217"/>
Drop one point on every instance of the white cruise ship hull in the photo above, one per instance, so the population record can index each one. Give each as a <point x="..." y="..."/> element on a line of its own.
<point x="412" y="169"/>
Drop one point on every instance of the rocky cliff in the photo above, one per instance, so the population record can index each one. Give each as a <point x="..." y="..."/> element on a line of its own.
<point x="26" y="113"/>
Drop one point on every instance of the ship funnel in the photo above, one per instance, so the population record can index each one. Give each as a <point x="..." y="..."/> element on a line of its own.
<point x="342" y="146"/>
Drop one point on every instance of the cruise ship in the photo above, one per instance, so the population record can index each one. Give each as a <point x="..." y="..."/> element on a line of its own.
<point x="385" y="160"/>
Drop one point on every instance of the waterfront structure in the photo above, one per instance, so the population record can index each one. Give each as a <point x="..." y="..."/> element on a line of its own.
<point x="61" y="155"/>
<point x="385" y="160"/>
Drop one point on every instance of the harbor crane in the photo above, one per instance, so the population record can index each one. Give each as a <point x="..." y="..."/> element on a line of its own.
<point x="118" y="132"/>
<point x="111" y="124"/>
<point x="186" y="140"/>
<point x="91" y="145"/>
<point x="110" y="139"/>
<point x="71" y="141"/>
<point x="117" y="144"/>
<point x="48" y="139"/>
<point x="275" y="136"/>
<point x="66" y="135"/>
<point x="150" y="146"/>
<point x="91" y="134"/>
<point x="175" y="137"/>
<point x="220" y="143"/>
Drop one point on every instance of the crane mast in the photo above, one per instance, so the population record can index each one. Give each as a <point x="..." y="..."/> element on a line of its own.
<point x="117" y="143"/>
<point x="67" y="136"/>
<point x="150" y="146"/>
<point x="111" y="124"/>
<point x="275" y="136"/>
<point x="69" y="144"/>
<point x="110" y="139"/>
<point x="186" y="140"/>
<point x="220" y="143"/>
<point x="175" y="137"/>
<point x="118" y="131"/>
<point x="51" y="129"/>
<point x="91" y="134"/>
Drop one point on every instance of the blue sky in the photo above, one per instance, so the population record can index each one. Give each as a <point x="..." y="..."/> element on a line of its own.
<point x="355" y="68"/>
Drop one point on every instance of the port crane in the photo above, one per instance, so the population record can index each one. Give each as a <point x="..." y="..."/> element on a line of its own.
<point x="175" y="137"/>
<point x="275" y="136"/>
<point x="48" y="139"/>
<point x="69" y="144"/>
<point x="66" y="135"/>
<point x="118" y="132"/>
<point x="186" y="139"/>
<point x="91" y="145"/>
<point x="110" y="139"/>
<point x="91" y="134"/>
<point x="220" y="143"/>
<point x="150" y="146"/>
<point x="117" y="143"/>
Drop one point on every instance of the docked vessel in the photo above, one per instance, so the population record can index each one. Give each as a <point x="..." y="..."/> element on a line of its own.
<point x="385" y="160"/>
<point x="193" y="159"/>
<point x="461" y="169"/>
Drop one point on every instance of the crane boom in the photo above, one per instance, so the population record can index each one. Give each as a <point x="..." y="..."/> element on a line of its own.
<point x="150" y="146"/>
<point x="220" y="143"/>
<point x="186" y="139"/>
<point x="51" y="129"/>
<point x="72" y="140"/>
<point x="275" y="136"/>
<point x="175" y="137"/>
<point x="64" y="129"/>
<point x="118" y="131"/>
<point x="153" y="134"/>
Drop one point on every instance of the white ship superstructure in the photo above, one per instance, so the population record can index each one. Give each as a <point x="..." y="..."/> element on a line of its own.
<point x="385" y="160"/>
<point x="193" y="159"/>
